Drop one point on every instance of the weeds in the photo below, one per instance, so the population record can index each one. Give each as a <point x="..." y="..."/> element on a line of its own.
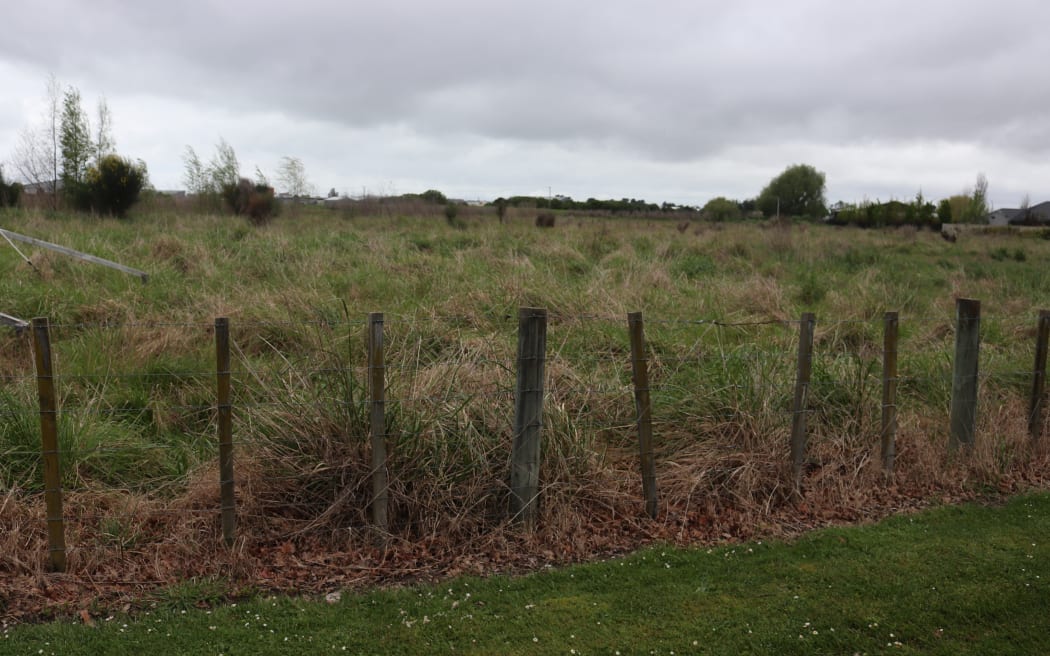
<point x="136" y="385"/>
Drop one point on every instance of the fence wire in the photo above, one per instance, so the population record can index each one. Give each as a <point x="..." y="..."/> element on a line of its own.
<point x="137" y="435"/>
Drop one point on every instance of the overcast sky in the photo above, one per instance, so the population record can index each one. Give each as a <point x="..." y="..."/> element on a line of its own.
<point x="664" y="100"/>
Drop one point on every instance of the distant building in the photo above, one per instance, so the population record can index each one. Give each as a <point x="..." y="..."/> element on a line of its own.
<point x="34" y="188"/>
<point x="1002" y="217"/>
<point x="1034" y="215"/>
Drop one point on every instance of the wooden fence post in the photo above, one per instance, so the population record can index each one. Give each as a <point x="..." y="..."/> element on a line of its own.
<point x="889" y="392"/>
<point x="227" y="501"/>
<point x="798" y="419"/>
<point x="56" y="533"/>
<point x="964" y="374"/>
<point x="528" y="415"/>
<point x="377" y="421"/>
<point x="1038" y="401"/>
<point x="644" y="410"/>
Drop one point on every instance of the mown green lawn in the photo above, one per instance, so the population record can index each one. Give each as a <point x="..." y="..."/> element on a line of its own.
<point x="953" y="580"/>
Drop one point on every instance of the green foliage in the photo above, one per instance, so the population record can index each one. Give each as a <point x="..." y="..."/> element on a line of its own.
<point x="694" y="265"/>
<point x="944" y="211"/>
<point x="977" y="212"/>
<point x="254" y="201"/>
<point x="75" y="144"/>
<point x="434" y="196"/>
<point x="292" y="176"/>
<point x="798" y="191"/>
<point x="451" y="212"/>
<point x="721" y="209"/>
<point x="624" y="205"/>
<point x="214" y="182"/>
<point x="10" y="193"/>
<point x="893" y="213"/>
<point x="113" y="186"/>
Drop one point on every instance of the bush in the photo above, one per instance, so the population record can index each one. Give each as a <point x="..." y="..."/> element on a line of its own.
<point x="9" y="193"/>
<point x="255" y="201"/>
<point x="451" y="212"/>
<point x="112" y="186"/>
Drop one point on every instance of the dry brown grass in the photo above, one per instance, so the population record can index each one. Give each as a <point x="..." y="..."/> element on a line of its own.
<point x="302" y="454"/>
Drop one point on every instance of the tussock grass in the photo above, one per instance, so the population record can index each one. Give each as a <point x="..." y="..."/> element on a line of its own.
<point x="136" y="382"/>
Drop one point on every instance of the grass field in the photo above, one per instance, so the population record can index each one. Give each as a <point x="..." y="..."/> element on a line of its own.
<point x="136" y="362"/>
<point x="956" y="580"/>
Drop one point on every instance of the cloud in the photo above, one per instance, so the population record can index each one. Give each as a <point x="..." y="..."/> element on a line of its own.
<point x="667" y="86"/>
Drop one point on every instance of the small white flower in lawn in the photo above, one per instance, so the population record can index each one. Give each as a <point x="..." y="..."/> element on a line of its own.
<point x="535" y="639"/>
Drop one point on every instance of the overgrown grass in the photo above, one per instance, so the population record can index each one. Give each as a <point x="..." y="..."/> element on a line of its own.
<point x="135" y="363"/>
<point x="956" y="580"/>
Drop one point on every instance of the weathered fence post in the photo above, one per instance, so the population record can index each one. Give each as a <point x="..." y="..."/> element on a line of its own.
<point x="798" y="419"/>
<point x="528" y="414"/>
<point x="1038" y="400"/>
<point x="889" y="392"/>
<point x="56" y="533"/>
<point x="964" y="374"/>
<point x="228" y="504"/>
<point x="377" y="421"/>
<point x="644" y="410"/>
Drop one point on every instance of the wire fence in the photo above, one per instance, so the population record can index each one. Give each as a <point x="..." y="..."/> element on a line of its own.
<point x="390" y="423"/>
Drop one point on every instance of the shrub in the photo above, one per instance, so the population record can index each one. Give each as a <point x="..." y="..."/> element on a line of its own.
<point x="112" y="186"/>
<point x="451" y="214"/>
<point x="255" y="201"/>
<point x="10" y="193"/>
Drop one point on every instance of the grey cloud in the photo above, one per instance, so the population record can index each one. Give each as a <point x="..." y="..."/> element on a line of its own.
<point x="671" y="82"/>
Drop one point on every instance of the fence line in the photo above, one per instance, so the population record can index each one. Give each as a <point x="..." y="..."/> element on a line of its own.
<point x="641" y="369"/>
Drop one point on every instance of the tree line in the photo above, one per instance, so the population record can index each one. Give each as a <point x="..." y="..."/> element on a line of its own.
<point x="73" y="159"/>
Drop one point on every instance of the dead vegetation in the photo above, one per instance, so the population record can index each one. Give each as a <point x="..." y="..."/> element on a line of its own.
<point x="136" y="372"/>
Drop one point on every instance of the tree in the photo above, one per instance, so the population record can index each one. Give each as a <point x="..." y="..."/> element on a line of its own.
<point x="978" y="210"/>
<point x="960" y="205"/>
<point x="224" y="170"/>
<point x="9" y="192"/>
<point x="209" y="183"/>
<point x="260" y="178"/>
<point x="104" y="143"/>
<point x="194" y="176"/>
<point x="944" y="211"/>
<point x="113" y="185"/>
<point x="1024" y="209"/>
<point x="51" y="131"/>
<point x="36" y="152"/>
<point x="291" y="174"/>
<point x="798" y="191"/>
<point x="75" y="141"/>
<point x="434" y="196"/>
<point x="721" y="209"/>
